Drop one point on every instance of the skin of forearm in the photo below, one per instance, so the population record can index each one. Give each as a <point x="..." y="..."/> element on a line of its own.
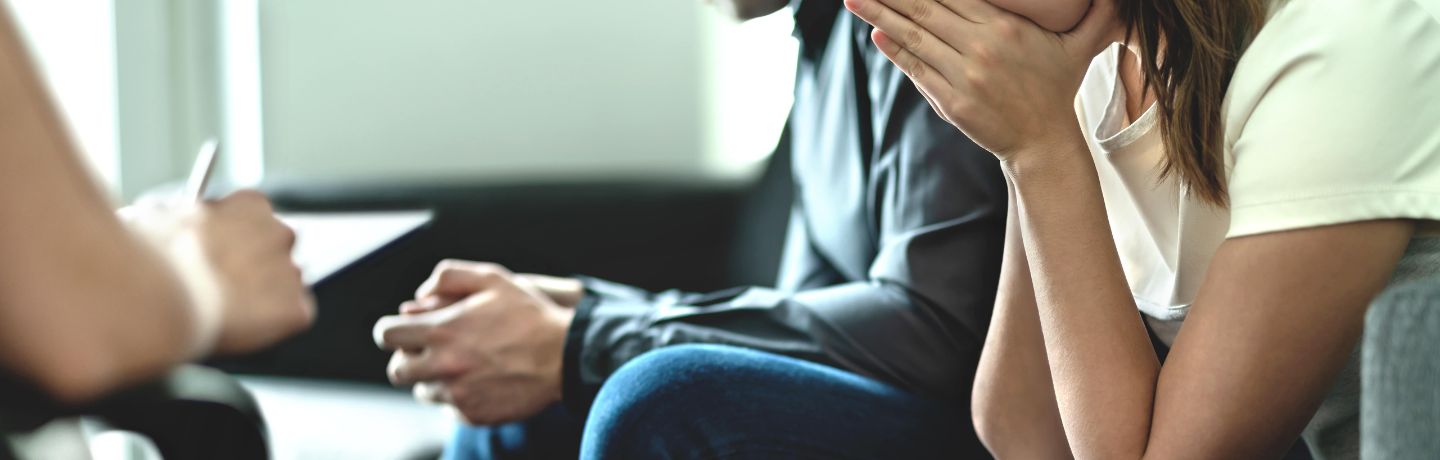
<point x="1013" y="403"/>
<point x="1100" y="357"/>
<point x="85" y="305"/>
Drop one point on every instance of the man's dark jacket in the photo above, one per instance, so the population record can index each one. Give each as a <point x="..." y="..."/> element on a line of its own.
<point x="894" y="243"/>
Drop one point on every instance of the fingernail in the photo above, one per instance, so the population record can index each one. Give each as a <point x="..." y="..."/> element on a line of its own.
<point x="880" y="38"/>
<point x="852" y="5"/>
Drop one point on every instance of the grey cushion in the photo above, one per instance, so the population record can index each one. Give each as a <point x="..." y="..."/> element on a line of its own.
<point x="1400" y="415"/>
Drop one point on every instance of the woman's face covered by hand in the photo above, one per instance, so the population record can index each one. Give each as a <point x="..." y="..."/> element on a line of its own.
<point x="1055" y="15"/>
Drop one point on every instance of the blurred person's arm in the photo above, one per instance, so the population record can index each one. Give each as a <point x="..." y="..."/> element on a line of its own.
<point x="87" y="305"/>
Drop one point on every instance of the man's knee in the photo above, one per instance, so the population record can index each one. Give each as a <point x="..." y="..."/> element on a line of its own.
<point x="661" y="379"/>
<point x="643" y="409"/>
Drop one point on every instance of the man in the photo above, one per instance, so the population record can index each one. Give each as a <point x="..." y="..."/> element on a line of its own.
<point x="890" y="269"/>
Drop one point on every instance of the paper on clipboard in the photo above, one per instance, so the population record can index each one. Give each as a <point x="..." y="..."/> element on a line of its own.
<point x="327" y="243"/>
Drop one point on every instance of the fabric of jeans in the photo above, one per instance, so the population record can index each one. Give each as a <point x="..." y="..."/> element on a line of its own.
<point x="716" y="402"/>
<point x="552" y="435"/>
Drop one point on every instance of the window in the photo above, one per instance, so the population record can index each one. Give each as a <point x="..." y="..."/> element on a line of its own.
<point x="73" y="42"/>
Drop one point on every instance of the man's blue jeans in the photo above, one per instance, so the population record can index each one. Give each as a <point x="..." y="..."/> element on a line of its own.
<point x="714" y="402"/>
<point x="554" y="434"/>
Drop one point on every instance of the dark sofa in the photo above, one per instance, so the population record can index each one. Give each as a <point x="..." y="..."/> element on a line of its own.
<point x="689" y="233"/>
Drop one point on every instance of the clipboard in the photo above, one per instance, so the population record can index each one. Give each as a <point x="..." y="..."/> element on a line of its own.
<point x="328" y="243"/>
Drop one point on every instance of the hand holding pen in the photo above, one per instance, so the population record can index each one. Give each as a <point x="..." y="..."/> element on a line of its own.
<point x="234" y="256"/>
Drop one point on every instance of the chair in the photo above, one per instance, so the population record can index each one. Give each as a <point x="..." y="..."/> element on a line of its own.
<point x="194" y="412"/>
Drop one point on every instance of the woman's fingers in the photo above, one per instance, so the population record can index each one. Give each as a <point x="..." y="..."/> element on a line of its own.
<point x="930" y="82"/>
<point x="939" y="110"/>
<point x="1097" y="29"/>
<point x="933" y="16"/>
<point x="906" y="35"/>
<point x="976" y="11"/>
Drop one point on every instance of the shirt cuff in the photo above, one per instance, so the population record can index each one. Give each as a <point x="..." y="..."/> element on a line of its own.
<point x="1333" y="209"/>
<point x="576" y="394"/>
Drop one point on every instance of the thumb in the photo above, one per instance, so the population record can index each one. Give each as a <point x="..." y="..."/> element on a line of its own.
<point x="1100" y="26"/>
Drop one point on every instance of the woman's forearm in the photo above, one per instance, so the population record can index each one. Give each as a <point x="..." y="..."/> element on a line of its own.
<point x="84" y="304"/>
<point x="1013" y="403"/>
<point x="1103" y="365"/>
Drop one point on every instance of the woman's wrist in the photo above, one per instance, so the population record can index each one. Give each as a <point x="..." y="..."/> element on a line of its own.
<point x="1045" y="161"/>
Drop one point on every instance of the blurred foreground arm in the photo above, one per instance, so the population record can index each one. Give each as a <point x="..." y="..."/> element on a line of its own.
<point x="86" y="305"/>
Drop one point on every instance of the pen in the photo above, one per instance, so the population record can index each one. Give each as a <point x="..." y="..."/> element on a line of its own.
<point x="203" y="169"/>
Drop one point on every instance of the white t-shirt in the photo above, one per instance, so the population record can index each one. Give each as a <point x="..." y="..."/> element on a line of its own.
<point x="1333" y="116"/>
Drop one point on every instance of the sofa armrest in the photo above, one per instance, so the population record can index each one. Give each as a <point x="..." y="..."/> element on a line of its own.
<point x="1400" y="402"/>
<point x="194" y="412"/>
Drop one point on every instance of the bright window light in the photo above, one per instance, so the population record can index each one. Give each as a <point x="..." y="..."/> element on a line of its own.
<point x="74" y="42"/>
<point x="751" y="89"/>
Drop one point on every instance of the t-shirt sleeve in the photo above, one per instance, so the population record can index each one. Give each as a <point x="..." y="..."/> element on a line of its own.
<point x="1334" y="117"/>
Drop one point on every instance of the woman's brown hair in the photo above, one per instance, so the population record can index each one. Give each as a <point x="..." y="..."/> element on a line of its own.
<point x="1189" y="49"/>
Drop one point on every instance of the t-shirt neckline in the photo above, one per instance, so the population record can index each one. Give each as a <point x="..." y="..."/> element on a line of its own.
<point x="1112" y="134"/>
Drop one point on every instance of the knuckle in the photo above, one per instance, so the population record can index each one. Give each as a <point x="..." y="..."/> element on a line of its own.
<point x="448" y="265"/>
<point x="912" y="38"/>
<point x="1007" y="28"/>
<point x="485" y="266"/>
<point x="982" y="53"/>
<point x="976" y="79"/>
<point x="920" y="11"/>
<point x="490" y="269"/>
<point x="490" y="276"/>
<point x="912" y="67"/>
<point x="446" y="276"/>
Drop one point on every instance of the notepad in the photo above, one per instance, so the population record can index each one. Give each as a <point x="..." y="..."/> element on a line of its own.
<point x="328" y="243"/>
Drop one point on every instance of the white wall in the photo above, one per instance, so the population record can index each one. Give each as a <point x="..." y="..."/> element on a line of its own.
<point x="414" y="90"/>
<point x="465" y="89"/>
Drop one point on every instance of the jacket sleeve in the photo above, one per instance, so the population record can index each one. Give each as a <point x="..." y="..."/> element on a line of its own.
<point x="916" y="319"/>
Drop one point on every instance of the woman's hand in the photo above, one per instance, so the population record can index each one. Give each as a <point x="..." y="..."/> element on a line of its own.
<point x="1054" y="15"/>
<point x="234" y="256"/>
<point x="1005" y="82"/>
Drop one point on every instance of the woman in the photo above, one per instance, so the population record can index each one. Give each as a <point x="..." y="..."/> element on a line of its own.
<point x="89" y="304"/>
<point x="1256" y="170"/>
